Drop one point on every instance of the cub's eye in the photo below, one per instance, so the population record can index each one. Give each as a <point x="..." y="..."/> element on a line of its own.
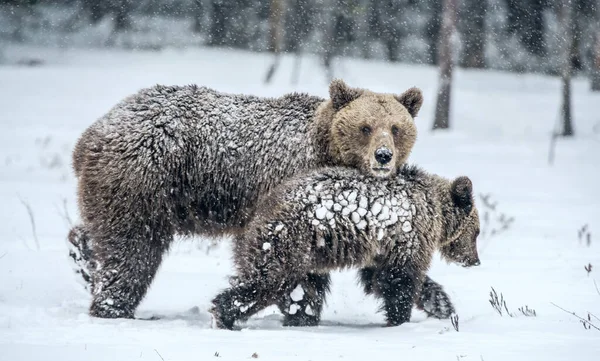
<point x="395" y="130"/>
<point x="366" y="130"/>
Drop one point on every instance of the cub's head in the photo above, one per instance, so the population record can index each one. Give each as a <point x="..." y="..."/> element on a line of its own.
<point x="462" y="225"/>
<point x="373" y="132"/>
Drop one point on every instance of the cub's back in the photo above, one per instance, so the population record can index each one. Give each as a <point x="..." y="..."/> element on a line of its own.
<point x="348" y="217"/>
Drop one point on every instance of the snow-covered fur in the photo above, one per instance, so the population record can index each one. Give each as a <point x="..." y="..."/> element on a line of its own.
<point x="191" y="160"/>
<point x="338" y="218"/>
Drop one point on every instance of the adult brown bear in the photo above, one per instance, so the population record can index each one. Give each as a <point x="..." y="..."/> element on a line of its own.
<point x="190" y="160"/>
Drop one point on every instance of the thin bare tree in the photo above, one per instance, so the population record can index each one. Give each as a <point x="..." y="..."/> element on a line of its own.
<point x="442" y="108"/>
<point x="472" y="29"/>
<point x="596" y="53"/>
<point x="275" y="36"/>
<point x="565" y="12"/>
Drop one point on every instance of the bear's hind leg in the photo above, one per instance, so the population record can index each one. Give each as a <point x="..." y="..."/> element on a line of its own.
<point x="80" y="252"/>
<point x="126" y="268"/>
<point x="304" y="304"/>
<point x="245" y="299"/>
<point x="237" y="303"/>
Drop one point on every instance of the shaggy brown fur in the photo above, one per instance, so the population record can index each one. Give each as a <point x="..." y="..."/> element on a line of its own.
<point x="337" y="218"/>
<point x="190" y="160"/>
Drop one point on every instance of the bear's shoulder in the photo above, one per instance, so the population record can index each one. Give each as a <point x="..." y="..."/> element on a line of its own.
<point x="298" y="101"/>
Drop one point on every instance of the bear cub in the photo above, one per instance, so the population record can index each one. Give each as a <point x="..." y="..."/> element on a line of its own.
<point x="337" y="218"/>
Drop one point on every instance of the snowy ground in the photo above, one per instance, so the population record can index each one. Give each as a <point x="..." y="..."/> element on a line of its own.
<point x="500" y="138"/>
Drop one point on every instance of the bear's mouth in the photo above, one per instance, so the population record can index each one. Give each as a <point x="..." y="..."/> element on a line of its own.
<point x="381" y="170"/>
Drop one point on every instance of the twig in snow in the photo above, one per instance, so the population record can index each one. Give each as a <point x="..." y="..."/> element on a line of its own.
<point x="454" y="320"/>
<point x="552" y="147"/>
<point x="64" y="214"/>
<point x="493" y="221"/>
<point x="588" y="268"/>
<point x="595" y="285"/>
<point x="584" y="234"/>
<point x="592" y="315"/>
<point x="555" y="134"/>
<point x="159" y="355"/>
<point x="4" y="254"/>
<point x="586" y="323"/>
<point x="529" y="312"/>
<point x="498" y="303"/>
<point x="31" y="218"/>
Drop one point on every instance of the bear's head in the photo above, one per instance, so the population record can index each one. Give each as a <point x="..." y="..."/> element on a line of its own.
<point x="373" y="132"/>
<point x="462" y="224"/>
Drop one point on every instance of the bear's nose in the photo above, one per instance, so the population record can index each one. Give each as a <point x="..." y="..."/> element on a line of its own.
<point x="475" y="262"/>
<point x="383" y="155"/>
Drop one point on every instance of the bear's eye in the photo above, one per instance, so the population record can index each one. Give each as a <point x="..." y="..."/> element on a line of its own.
<point x="365" y="129"/>
<point x="395" y="130"/>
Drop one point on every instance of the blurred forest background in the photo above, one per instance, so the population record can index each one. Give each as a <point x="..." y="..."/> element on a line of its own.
<point x="512" y="35"/>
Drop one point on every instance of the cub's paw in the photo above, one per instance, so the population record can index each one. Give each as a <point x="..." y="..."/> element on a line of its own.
<point x="435" y="301"/>
<point x="300" y="319"/>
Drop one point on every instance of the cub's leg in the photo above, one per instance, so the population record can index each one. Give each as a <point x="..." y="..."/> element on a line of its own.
<point x="398" y="286"/>
<point x="245" y="299"/>
<point x="432" y="299"/>
<point x="304" y="304"/>
<point x="126" y="268"/>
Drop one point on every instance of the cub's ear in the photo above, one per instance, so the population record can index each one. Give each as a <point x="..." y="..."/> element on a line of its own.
<point x="412" y="99"/>
<point x="462" y="193"/>
<point x="341" y="94"/>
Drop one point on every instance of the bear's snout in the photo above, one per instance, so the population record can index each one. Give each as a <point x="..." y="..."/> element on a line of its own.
<point x="383" y="155"/>
<point x="472" y="262"/>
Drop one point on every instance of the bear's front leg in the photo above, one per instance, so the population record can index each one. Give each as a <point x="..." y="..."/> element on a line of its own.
<point x="434" y="300"/>
<point x="125" y="270"/>
<point x="304" y="304"/>
<point x="398" y="286"/>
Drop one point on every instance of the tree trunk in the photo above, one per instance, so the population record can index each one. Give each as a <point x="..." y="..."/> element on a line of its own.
<point x="329" y="38"/>
<point x="298" y="24"/>
<point x="218" y="26"/>
<point x="198" y="14"/>
<point x="97" y="11"/>
<point x="442" y="109"/>
<point x="526" y="19"/>
<point x="565" y="12"/>
<point x="275" y="36"/>
<point x="596" y="54"/>
<point x="122" y="13"/>
<point x="473" y="33"/>
<point x="275" y="26"/>
<point x="433" y="30"/>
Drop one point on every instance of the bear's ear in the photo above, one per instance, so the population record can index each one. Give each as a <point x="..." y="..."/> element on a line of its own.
<point x="341" y="94"/>
<point x="462" y="193"/>
<point x="412" y="99"/>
